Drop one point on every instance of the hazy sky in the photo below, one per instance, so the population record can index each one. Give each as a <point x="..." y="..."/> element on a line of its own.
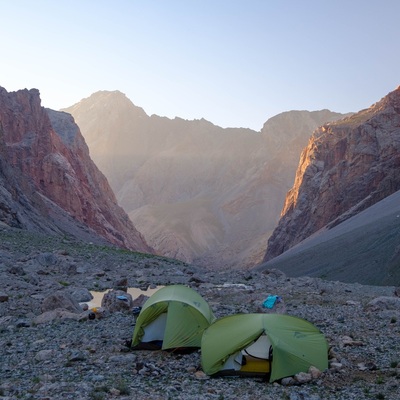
<point x="233" y="62"/>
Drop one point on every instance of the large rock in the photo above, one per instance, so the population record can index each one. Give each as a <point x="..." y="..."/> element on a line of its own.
<point x="61" y="300"/>
<point x="55" y="315"/>
<point x="3" y="297"/>
<point x="117" y="300"/>
<point x="80" y="294"/>
<point x="384" y="303"/>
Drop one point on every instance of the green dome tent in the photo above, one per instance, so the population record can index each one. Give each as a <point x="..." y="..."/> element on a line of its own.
<point x="173" y="317"/>
<point x="274" y="344"/>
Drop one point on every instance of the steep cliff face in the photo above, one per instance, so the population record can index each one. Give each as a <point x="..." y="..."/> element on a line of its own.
<point x="347" y="166"/>
<point x="196" y="191"/>
<point x="46" y="148"/>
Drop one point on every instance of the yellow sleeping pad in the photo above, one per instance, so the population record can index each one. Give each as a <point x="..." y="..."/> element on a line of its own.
<point x="255" y="365"/>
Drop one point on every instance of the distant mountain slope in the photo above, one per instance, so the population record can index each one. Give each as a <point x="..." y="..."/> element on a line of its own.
<point x="365" y="249"/>
<point x="48" y="181"/>
<point x="347" y="166"/>
<point x="196" y="191"/>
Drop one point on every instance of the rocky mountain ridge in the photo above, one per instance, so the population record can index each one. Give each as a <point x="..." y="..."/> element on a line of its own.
<point x="197" y="192"/>
<point x="48" y="181"/>
<point x="348" y="166"/>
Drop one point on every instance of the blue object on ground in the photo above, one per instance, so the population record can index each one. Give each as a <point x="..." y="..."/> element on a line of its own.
<point x="270" y="301"/>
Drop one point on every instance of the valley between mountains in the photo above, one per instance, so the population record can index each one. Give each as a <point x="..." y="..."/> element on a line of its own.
<point x="185" y="202"/>
<point x="197" y="192"/>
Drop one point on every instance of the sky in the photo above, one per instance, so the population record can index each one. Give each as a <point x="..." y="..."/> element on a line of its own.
<point x="235" y="63"/>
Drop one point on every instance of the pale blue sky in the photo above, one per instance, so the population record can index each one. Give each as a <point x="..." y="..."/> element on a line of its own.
<point x="234" y="63"/>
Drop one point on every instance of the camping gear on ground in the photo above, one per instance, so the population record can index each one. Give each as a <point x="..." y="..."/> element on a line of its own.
<point x="273" y="304"/>
<point x="272" y="345"/>
<point x="136" y="310"/>
<point x="173" y="317"/>
<point x="270" y="301"/>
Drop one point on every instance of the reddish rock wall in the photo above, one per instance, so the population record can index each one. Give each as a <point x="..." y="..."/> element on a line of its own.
<point x="347" y="166"/>
<point x="47" y="147"/>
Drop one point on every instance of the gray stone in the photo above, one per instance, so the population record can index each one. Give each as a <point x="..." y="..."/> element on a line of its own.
<point x="44" y="355"/>
<point x="47" y="259"/>
<point x="303" y="377"/>
<point x="3" y="297"/>
<point x="54" y="315"/>
<point x="117" y="300"/>
<point x="384" y="303"/>
<point x="80" y="294"/>
<point x="61" y="300"/>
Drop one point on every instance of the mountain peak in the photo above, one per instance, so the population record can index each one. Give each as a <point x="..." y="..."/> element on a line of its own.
<point x="113" y="101"/>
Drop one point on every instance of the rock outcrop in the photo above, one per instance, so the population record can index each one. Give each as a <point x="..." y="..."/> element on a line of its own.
<point x="47" y="175"/>
<point x="347" y="167"/>
<point x="197" y="192"/>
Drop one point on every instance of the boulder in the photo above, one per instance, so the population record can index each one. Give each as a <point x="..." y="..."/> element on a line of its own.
<point x="80" y="294"/>
<point x="303" y="377"/>
<point x="348" y="341"/>
<point x="47" y="259"/>
<point x="117" y="300"/>
<point x="140" y="300"/>
<point x="3" y="297"/>
<point x="121" y="284"/>
<point x="274" y="274"/>
<point x="17" y="270"/>
<point x="314" y="372"/>
<point x="61" y="300"/>
<point x="384" y="303"/>
<point x="52" y="315"/>
<point x="44" y="355"/>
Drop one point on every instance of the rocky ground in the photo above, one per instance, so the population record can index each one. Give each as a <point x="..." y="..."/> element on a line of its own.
<point x="63" y="354"/>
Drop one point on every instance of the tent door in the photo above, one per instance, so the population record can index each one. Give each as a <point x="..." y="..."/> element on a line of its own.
<point x="156" y="329"/>
<point x="258" y="349"/>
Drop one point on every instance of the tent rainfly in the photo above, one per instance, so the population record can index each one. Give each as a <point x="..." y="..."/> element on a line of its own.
<point x="173" y="317"/>
<point x="273" y="345"/>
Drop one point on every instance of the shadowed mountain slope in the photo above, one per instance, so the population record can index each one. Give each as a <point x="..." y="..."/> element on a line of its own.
<point x="365" y="248"/>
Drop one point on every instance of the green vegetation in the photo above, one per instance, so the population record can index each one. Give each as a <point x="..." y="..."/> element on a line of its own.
<point x="99" y="392"/>
<point x="122" y="386"/>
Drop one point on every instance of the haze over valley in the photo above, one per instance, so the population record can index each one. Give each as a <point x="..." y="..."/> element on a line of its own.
<point x="197" y="192"/>
<point x="203" y="194"/>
